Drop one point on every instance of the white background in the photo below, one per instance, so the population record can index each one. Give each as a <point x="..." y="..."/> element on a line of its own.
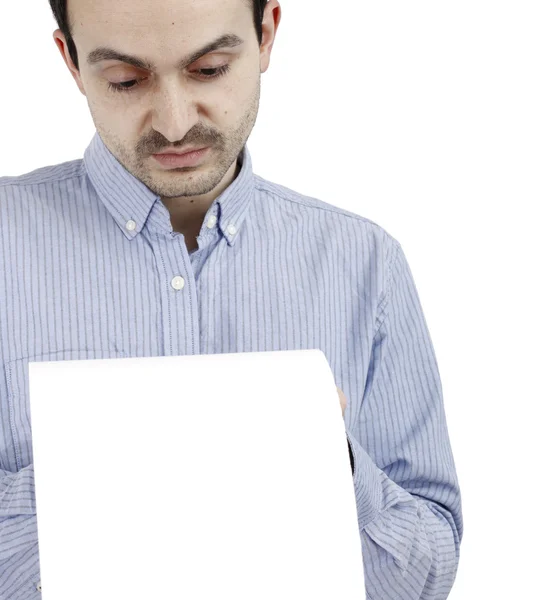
<point x="423" y="117"/>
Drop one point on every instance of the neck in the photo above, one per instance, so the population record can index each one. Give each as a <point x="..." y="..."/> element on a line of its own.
<point x="187" y="213"/>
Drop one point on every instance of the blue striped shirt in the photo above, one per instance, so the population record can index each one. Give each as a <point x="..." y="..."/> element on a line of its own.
<point x="90" y="267"/>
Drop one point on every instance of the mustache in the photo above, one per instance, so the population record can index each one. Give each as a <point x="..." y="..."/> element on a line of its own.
<point x="210" y="139"/>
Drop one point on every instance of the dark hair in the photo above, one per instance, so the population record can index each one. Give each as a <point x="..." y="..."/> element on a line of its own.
<point x="59" y="11"/>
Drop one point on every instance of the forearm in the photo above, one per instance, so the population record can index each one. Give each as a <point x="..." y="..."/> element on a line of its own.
<point x="19" y="559"/>
<point x="410" y="544"/>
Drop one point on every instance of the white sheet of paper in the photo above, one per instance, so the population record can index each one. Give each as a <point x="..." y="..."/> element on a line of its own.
<point x="194" y="477"/>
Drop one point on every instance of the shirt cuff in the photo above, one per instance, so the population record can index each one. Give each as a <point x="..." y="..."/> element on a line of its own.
<point x="367" y="482"/>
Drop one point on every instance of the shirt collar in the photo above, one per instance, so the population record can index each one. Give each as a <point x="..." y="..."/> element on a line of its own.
<point x="129" y="201"/>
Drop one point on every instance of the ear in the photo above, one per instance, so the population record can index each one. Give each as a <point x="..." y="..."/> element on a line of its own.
<point x="61" y="42"/>
<point x="270" y="23"/>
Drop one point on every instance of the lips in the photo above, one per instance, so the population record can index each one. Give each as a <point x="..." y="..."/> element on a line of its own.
<point x="180" y="152"/>
<point x="189" y="159"/>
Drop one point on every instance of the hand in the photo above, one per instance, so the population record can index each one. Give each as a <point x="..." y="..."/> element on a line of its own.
<point x="342" y="399"/>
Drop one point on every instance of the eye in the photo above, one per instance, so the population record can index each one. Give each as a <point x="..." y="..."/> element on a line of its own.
<point x="214" y="73"/>
<point x="206" y="74"/>
<point x="119" y="87"/>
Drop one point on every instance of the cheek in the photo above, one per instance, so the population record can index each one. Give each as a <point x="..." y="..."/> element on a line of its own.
<point x="225" y="105"/>
<point x="238" y="95"/>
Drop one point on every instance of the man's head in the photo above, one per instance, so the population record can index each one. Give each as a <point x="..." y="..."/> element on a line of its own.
<point x="179" y="98"/>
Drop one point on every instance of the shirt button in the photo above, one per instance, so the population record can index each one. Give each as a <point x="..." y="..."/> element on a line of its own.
<point x="38" y="587"/>
<point x="211" y="222"/>
<point x="178" y="283"/>
<point x="130" y="225"/>
<point x="231" y="229"/>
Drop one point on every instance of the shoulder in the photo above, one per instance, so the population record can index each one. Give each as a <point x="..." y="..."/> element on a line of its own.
<point x="14" y="189"/>
<point x="23" y="197"/>
<point x="327" y="214"/>
<point x="43" y="175"/>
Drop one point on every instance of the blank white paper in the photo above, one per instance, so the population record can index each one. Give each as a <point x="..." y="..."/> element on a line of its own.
<point x="194" y="477"/>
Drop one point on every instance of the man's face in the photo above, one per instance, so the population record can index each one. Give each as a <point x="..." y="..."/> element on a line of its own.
<point x="210" y="101"/>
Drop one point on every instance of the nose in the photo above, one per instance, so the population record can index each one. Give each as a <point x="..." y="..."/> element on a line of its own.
<point x="174" y="113"/>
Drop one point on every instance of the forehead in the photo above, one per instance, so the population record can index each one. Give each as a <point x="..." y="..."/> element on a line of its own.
<point x="156" y="23"/>
<point x="157" y="35"/>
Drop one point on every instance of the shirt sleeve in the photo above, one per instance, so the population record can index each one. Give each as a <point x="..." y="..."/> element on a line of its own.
<point x="407" y="493"/>
<point x="19" y="557"/>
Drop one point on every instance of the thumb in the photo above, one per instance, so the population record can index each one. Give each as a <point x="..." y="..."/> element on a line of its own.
<point x="342" y="399"/>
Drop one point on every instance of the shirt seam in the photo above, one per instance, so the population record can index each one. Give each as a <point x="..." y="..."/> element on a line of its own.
<point x="260" y="185"/>
<point x="390" y="285"/>
<point x="40" y="182"/>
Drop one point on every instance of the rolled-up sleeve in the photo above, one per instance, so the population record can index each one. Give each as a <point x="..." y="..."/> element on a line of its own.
<point x="407" y="492"/>
<point x="19" y="550"/>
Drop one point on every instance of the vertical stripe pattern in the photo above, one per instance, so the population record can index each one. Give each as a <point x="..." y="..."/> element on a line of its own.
<point x="90" y="267"/>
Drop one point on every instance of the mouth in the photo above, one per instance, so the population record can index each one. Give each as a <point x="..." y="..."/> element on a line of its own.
<point x="185" y="159"/>
<point x="180" y="152"/>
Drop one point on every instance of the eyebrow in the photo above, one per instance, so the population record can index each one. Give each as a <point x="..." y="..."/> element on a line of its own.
<point x="228" y="40"/>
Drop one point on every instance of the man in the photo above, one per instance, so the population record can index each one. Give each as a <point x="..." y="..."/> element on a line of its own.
<point x="132" y="251"/>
